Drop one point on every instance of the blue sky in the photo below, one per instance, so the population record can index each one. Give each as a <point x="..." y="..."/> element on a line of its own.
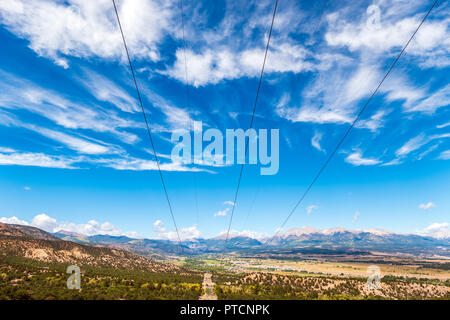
<point x="74" y="152"/>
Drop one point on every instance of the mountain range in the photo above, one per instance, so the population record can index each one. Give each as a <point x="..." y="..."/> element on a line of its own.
<point x="296" y="239"/>
<point x="35" y="244"/>
<point x="70" y="246"/>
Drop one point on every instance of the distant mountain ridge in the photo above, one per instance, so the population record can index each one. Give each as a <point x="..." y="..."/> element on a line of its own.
<point x="336" y="239"/>
<point x="36" y="244"/>
<point x="330" y="231"/>
<point x="306" y="239"/>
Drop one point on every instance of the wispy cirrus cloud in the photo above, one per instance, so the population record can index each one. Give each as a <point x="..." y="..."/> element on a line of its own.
<point x="431" y="102"/>
<point x="356" y="217"/>
<point x="6" y="150"/>
<point x="411" y="145"/>
<point x="310" y="208"/>
<point x="374" y="122"/>
<point x="315" y="141"/>
<point x="117" y="162"/>
<point x="37" y="160"/>
<point x="427" y="206"/>
<point x="137" y="164"/>
<point x="323" y="103"/>
<point x="417" y="142"/>
<point x="106" y="90"/>
<point x="18" y="93"/>
<point x="445" y="155"/>
<point x="81" y="145"/>
<point x="222" y="213"/>
<point x="356" y="158"/>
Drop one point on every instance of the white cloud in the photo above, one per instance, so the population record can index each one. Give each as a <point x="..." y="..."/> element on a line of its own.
<point x="188" y="233"/>
<point x="427" y="151"/>
<point x="322" y="115"/>
<point x="27" y="188"/>
<point x="6" y="150"/>
<point x="65" y="162"/>
<point x="90" y="228"/>
<point x="136" y="164"/>
<point x="176" y="117"/>
<point x="13" y="220"/>
<point x="211" y="66"/>
<point x="437" y="230"/>
<point x="37" y="159"/>
<point x="361" y="83"/>
<point x="411" y="145"/>
<point x="393" y="162"/>
<point x="392" y="33"/>
<point x="357" y="159"/>
<point x="315" y="141"/>
<point x="231" y="203"/>
<point x="49" y="224"/>
<point x="355" y="217"/>
<point x="78" y="144"/>
<point x="87" y="28"/>
<point x="440" y="126"/>
<point x="324" y="103"/>
<point x="427" y="206"/>
<point x="17" y="93"/>
<point x="158" y="226"/>
<point x="44" y="222"/>
<point x="310" y="208"/>
<point x="221" y="213"/>
<point x="440" y="98"/>
<point x="244" y="233"/>
<point x="311" y="113"/>
<point x="398" y="88"/>
<point x="374" y="122"/>
<point x="233" y="115"/>
<point x="204" y="68"/>
<point x="445" y="155"/>
<point x="104" y="89"/>
<point x="418" y="142"/>
<point x="185" y="233"/>
<point x="75" y="143"/>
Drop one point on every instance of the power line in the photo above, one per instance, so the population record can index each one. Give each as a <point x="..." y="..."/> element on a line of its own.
<point x="146" y="122"/>
<point x="352" y="125"/>
<point x="251" y="122"/>
<point x="251" y="206"/>
<point x="188" y="105"/>
<point x="259" y="185"/>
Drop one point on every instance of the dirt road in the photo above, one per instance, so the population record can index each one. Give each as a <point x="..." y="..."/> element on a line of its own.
<point x="208" y="286"/>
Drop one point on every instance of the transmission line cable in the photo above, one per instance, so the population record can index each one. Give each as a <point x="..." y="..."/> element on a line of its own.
<point x="351" y="126"/>
<point x="251" y="122"/>
<point x="188" y="105"/>
<point x="146" y="122"/>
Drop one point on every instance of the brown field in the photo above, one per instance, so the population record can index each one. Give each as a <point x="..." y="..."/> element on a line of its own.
<point x="328" y="277"/>
<point x="356" y="269"/>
